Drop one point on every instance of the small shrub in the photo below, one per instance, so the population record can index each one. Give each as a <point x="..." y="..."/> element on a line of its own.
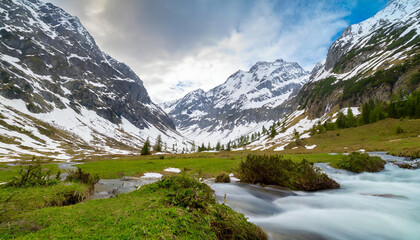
<point x="222" y="178"/>
<point x="284" y="172"/>
<point x="360" y="162"/>
<point x="400" y="129"/>
<point x="161" y="157"/>
<point x="82" y="177"/>
<point x="32" y="175"/>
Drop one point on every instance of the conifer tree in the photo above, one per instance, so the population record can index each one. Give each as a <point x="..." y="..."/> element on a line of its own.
<point x="218" y="146"/>
<point x="158" y="145"/>
<point x="351" y="120"/>
<point x="264" y="131"/>
<point x="273" y="131"/>
<point x="145" y="150"/>
<point x="341" y="120"/>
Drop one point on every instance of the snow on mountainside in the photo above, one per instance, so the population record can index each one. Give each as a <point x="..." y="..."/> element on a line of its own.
<point x="370" y="60"/>
<point x="60" y="94"/>
<point x="376" y="43"/>
<point x="246" y="101"/>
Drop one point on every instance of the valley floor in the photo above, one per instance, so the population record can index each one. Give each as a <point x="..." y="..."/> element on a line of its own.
<point x="41" y="212"/>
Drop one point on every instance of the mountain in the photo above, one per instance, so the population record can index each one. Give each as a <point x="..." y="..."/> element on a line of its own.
<point x="372" y="59"/>
<point x="247" y="100"/>
<point x="377" y="59"/>
<point x="60" y="93"/>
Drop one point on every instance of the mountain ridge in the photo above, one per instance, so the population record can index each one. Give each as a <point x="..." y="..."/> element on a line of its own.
<point x="252" y="98"/>
<point x="51" y="63"/>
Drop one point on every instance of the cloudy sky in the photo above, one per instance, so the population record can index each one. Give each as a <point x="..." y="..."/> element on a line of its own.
<point x="176" y="46"/>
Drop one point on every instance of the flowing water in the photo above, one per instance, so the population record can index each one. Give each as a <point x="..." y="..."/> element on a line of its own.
<point x="384" y="205"/>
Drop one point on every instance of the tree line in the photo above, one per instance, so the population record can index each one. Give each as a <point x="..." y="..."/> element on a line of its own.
<point x="403" y="106"/>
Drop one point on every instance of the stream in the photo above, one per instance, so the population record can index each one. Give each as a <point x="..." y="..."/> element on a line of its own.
<point x="384" y="205"/>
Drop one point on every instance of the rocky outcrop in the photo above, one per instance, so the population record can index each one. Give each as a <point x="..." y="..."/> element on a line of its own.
<point x="49" y="60"/>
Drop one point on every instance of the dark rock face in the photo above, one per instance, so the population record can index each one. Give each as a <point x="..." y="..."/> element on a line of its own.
<point x="49" y="60"/>
<point x="254" y="96"/>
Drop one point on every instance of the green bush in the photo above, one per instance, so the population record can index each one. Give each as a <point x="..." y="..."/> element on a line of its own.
<point x="185" y="192"/>
<point x="33" y="175"/>
<point x="400" y="129"/>
<point x="82" y="177"/>
<point x="222" y="178"/>
<point x="360" y="162"/>
<point x="276" y="170"/>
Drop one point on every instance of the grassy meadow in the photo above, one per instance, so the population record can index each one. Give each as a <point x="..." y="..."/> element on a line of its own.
<point x="157" y="211"/>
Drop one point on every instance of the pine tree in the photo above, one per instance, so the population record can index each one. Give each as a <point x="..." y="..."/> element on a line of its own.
<point x="341" y="120"/>
<point x="158" y="145"/>
<point x="365" y="113"/>
<point x="145" y="150"/>
<point x="351" y="120"/>
<point x="273" y="131"/>
<point x="228" y="146"/>
<point x="218" y="146"/>
<point x="264" y="131"/>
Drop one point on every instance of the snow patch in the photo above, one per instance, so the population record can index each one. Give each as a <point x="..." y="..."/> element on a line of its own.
<point x="171" y="169"/>
<point x="152" y="176"/>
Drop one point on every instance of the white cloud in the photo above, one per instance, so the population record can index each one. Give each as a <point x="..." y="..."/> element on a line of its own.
<point x="198" y="44"/>
<point x="262" y="37"/>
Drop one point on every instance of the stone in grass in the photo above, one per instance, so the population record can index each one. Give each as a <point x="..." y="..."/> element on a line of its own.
<point x="222" y="178"/>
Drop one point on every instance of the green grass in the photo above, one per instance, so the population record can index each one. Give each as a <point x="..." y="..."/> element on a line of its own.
<point x="163" y="210"/>
<point x="14" y="202"/>
<point x="379" y="136"/>
<point x="137" y="166"/>
<point x="196" y="166"/>
<point x="8" y="172"/>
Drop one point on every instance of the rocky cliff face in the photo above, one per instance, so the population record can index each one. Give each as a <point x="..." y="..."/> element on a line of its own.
<point x="372" y="59"/>
<point x="245" y="101"/>
<point x="50" y="63"/>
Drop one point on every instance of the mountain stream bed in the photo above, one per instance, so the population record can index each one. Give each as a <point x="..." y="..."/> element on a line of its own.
<point x="383" y="205"/>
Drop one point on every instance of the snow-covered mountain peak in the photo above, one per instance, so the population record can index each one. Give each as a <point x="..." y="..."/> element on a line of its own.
<point x="245" y="97"/>
<point x="387" y="37"/>
<point x="53" y="74"/>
